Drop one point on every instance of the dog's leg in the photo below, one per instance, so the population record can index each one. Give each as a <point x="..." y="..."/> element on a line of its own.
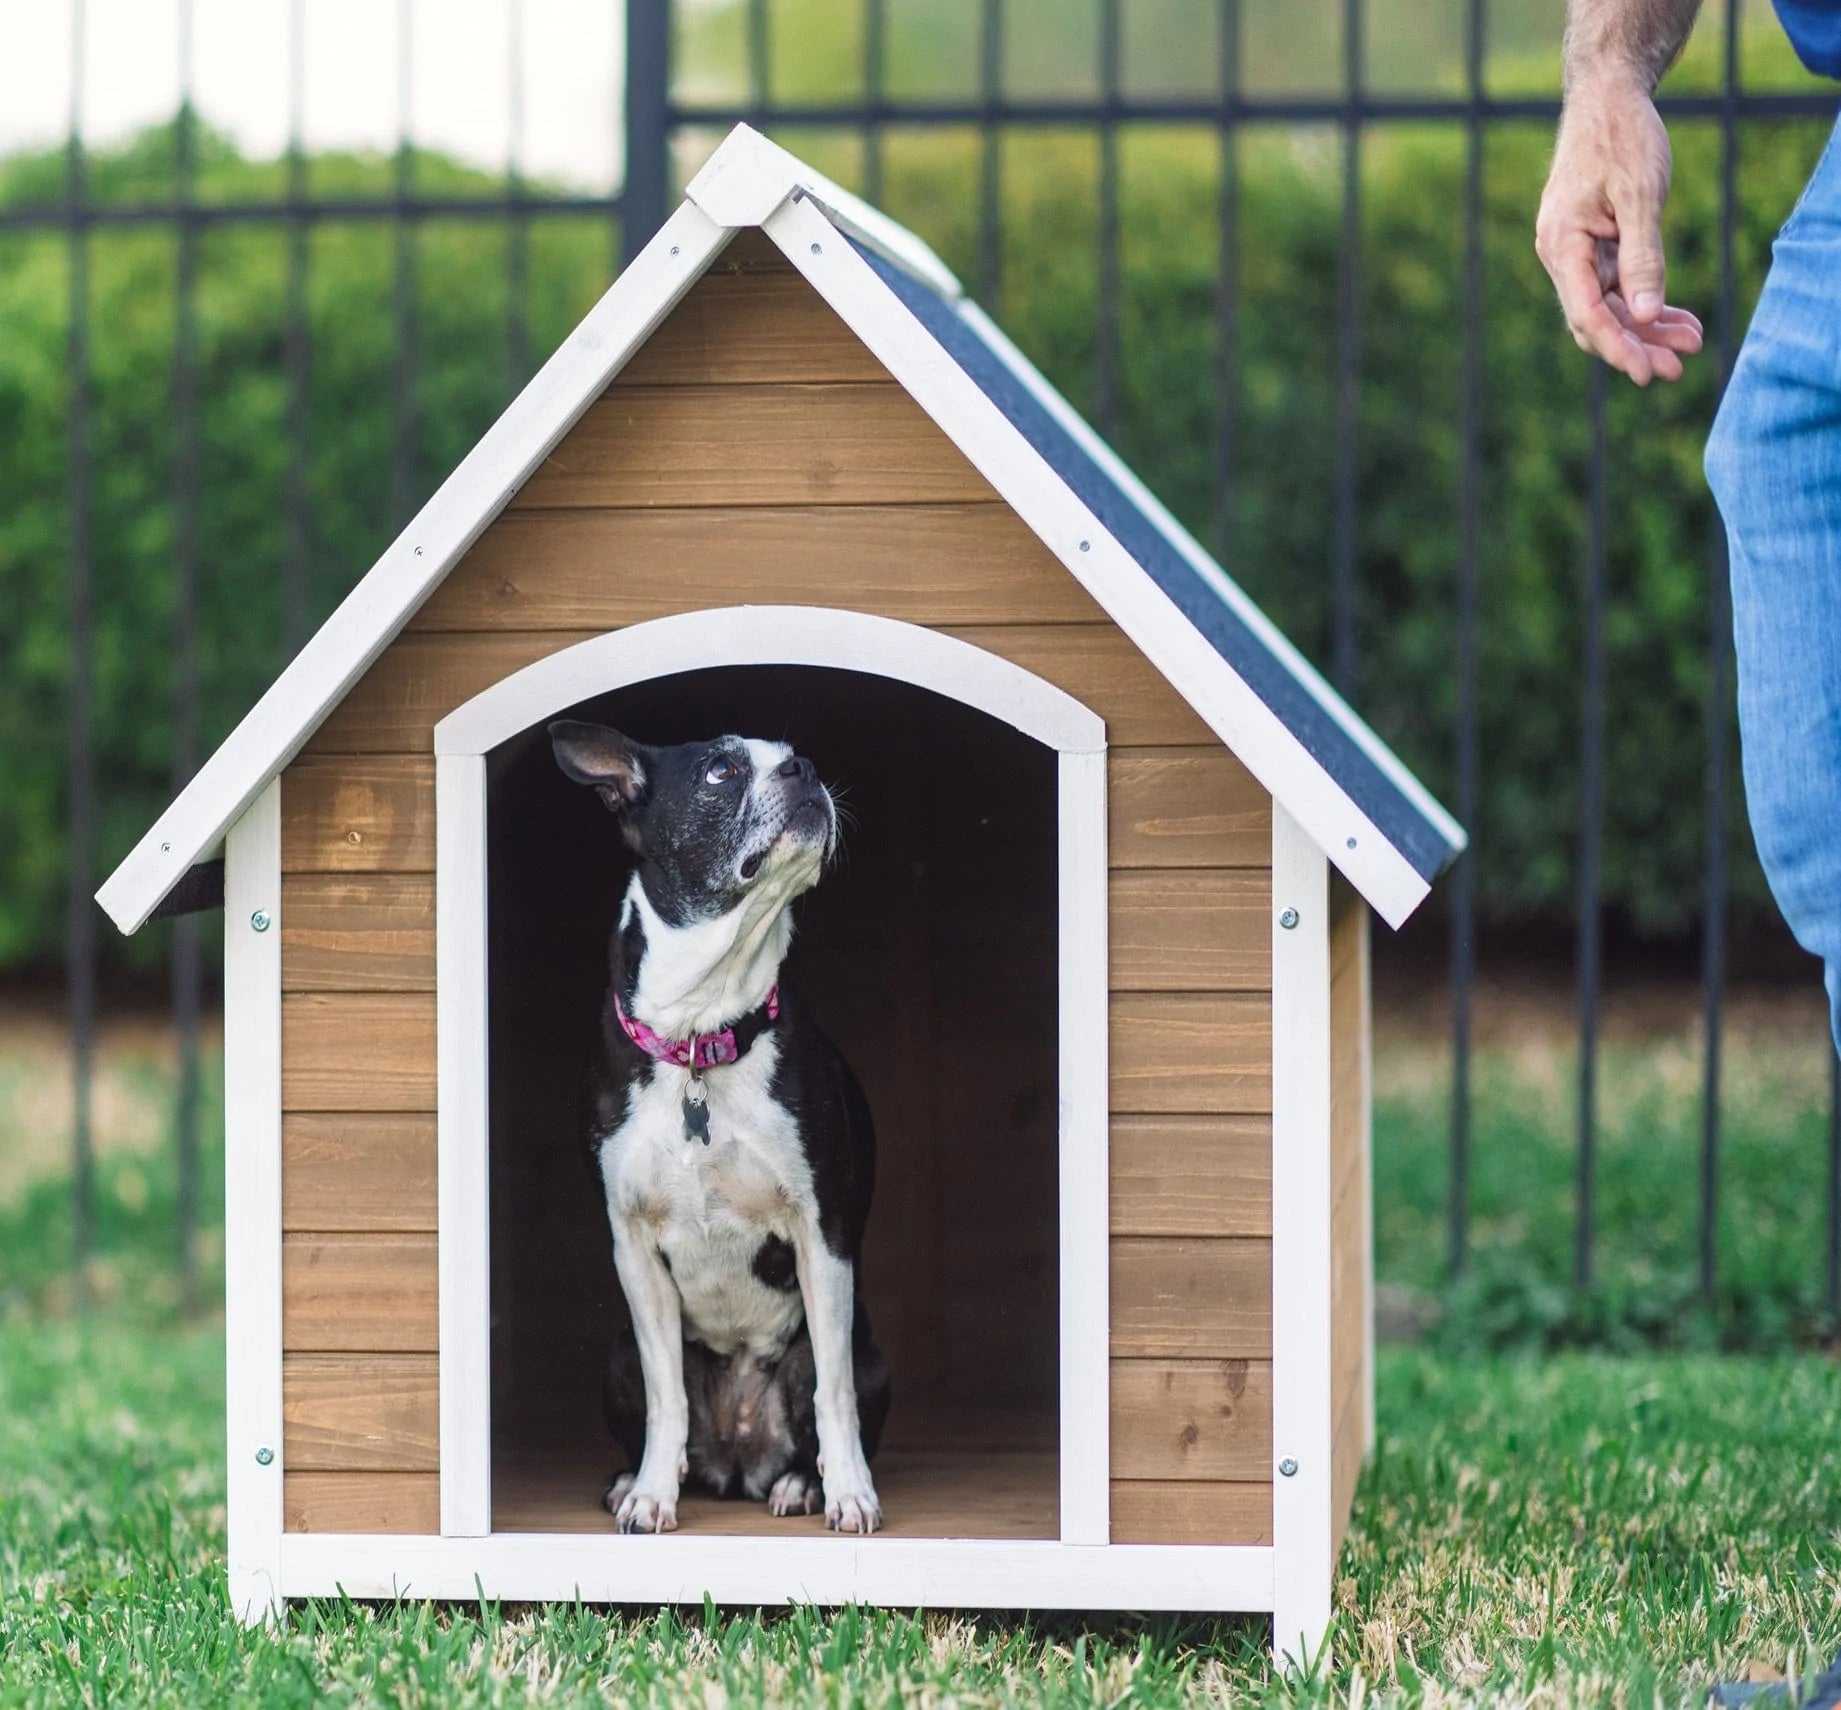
<point x="829" y="1288"/>
<point x="623" y="1405"/>
<point x="651" y="1503"/>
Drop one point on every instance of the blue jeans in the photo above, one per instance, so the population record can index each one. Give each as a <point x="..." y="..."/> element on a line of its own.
<point x="1774" y="463"/>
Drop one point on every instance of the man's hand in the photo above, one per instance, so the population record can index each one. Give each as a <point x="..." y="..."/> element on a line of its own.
<point x="1599" y="233"/>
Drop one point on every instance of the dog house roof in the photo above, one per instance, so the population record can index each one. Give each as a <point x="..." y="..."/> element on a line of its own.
<point x="1261" y="697"/>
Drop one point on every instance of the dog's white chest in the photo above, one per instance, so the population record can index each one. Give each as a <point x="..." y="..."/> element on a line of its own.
<point x="709" y="1209"/>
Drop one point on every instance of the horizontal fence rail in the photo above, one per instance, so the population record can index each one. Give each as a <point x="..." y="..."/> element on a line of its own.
<point x="658" y="128"/>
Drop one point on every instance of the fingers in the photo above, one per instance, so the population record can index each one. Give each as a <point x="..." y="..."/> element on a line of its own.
<point x="1599" y="234"/>
<point x="1672" y="329"/>
<point x="1604" y="324"/>
<point x="1641" y="272"/>
<point x="1595" y="328"/>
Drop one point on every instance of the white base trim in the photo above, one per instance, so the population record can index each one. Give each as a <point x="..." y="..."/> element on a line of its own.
<point x="902" y="1573"/>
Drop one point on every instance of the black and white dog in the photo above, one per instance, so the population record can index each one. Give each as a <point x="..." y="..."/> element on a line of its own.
<point x="733" y="1142"/>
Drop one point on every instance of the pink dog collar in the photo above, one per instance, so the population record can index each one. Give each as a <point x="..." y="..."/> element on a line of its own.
<point x="706" y="1050"/>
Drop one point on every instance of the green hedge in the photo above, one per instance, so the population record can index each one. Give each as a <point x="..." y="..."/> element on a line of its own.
<point x="1275" y="527"/>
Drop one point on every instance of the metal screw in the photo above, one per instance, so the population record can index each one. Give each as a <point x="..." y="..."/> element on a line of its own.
<point x="1086" y="546"/>
<point x="261" y="920"/>
<point x="1351" y="842"/>
<point x="1288" y="919"/>
<point x="264" y="1455"/>
<point x="818" y="249"/>
<point x="674" y="249"/>
<point x="1288" y="1467"/>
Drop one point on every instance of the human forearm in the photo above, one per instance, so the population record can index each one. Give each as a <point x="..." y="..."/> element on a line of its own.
<point x="1623" y="41"/>
<point x="1599" y="233"/>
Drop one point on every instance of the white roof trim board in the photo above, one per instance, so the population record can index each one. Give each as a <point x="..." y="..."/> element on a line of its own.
<point x="1303" y="743"/>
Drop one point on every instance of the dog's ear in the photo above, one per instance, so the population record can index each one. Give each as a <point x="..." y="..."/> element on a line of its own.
<point x="604" y="759"/>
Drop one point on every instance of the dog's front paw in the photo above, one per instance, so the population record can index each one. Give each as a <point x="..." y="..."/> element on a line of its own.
<point x="636" y="1510"/>
<point x="616" y="1492"/>
<point x="851" y="1505"/>
<point x="794" y="1493"/>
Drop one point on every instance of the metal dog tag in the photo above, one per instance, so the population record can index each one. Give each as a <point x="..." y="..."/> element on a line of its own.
<point x="696" y="1109"/>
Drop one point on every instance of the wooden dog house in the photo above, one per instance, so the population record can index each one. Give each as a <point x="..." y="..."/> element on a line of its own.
<point x="1098" y="952"/>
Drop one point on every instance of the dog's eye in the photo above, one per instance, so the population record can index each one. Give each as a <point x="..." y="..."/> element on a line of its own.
<point x="720" y="772"/>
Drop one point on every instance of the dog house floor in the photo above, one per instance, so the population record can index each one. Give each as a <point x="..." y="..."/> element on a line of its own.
<point x="968" y="1483"/>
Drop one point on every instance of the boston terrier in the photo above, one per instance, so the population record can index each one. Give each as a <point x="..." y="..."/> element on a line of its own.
<point x="733" y="1143"/>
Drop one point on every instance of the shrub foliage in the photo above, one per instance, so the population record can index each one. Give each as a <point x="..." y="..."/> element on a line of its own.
<point x="1266" y="502"/>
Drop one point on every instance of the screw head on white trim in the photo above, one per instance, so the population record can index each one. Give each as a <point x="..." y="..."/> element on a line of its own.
<point x="265" y="1456"/>
<point x="1288" y="1467"/>
<point x="1288" y="918"/>
<point x="262" y="920"/>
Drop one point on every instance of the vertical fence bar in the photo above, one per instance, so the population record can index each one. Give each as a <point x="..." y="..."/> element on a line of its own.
<point x="1348" y="358"/>
<point x="518" y="227"/>
<point x="296" y="564"/>
<point x="1591" y="831"/>
<point x="1719" y="665"/>
<point x="648" y="140"/>
<point x="1106" y="342"/>
<point x="80" y="923"/>
<point x="1227" y="280"/>
<point x="1470" y="477"/>
<point x="403" y="423"/>
<point x="990" y="155"/>
<point x="759" y="53"/>
<point x="875" y="94"/>
<point x="186" y="433"/>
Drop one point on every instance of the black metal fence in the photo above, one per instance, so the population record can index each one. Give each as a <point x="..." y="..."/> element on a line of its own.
<point x="653" y="119"/>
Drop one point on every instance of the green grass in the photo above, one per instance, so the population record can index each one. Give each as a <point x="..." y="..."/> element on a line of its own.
<point x="1590" y="1529"/>
<point x="134" y="1270"/>
<point x="1594" y="1527"/>
<point x="1518" y="1294"/>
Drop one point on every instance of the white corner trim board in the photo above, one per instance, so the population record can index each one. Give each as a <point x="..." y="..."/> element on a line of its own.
<point x="1094" y="557"/>
<point x="369" y="617"/>
<point x="768" y="635"/>
<point x="252" y="1203"/>
<point x="1302" y="1422"/>
<point x="684" y="1567"/>
<point x="772" y="635"/>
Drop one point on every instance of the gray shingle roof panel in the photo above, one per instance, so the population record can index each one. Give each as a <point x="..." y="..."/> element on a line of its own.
<point x="1394" y="813"/>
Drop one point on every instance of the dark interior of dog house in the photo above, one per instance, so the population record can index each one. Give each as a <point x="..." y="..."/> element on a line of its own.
<point x="928" y="952"/>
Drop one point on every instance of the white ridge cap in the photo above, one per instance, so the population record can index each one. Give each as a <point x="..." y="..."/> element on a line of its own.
<point x="750" y="175"/>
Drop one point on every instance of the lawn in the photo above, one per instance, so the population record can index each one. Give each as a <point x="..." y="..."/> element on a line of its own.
<point x="1589" y="1529"/>
<point x="1618" y="1523"/>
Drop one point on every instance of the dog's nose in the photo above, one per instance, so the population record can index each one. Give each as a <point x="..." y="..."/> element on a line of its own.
<point x="797" y="766"/>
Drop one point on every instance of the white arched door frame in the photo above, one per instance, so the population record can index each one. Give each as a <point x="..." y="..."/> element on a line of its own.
<point x="768" y="635"/>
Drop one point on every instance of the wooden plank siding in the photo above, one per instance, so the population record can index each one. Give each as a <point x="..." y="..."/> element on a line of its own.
<point x="1350" y="1176"/>
<point x="760" y="454"/>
